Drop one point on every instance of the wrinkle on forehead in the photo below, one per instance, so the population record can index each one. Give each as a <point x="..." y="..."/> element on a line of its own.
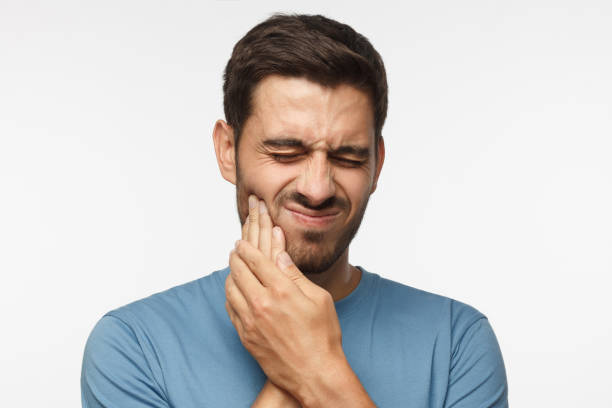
<point x="323" y="117"/>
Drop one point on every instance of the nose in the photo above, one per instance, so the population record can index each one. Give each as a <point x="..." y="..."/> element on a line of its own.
<point x="316" y="182"/>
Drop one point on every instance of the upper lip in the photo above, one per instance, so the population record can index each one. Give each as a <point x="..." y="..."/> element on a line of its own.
<point x="312" y="213"/>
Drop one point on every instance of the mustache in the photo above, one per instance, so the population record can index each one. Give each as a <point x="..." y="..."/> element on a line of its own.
<point x="331" y="202"/>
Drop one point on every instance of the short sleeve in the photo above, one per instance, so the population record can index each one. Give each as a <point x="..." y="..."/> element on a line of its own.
<point x="115" y="371"/>
<point x="477" y="372"/>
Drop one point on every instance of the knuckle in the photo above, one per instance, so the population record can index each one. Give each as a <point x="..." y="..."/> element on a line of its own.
<point x="261" y="306"/>
<point x="325" y="298"/>
<point x="249" y="326"/>
<point x="281" y="293"/>
<point x="247" y="341"/>
<point x="229" y="292"/>
<point x="232" y="262"/>
<point x="230" y="281"/>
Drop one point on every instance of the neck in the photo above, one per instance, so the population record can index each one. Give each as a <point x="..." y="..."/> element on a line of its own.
<point x="340" y="279"/>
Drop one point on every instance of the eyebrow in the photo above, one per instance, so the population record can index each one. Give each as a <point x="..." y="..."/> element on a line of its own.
<point x="280" y="143"/>
<point x="358" y="151"/>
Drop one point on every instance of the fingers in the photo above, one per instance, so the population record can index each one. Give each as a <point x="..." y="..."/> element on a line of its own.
<point x="261" y="266"/>
<point x="245" y="229"/>
<point x="265" y="230"/>
<point x="253" y="228"/>
<point x="233" y="317"/>
<point x="278" y="242"/>
<point x="234" y="301"/>
<point x="257" y="228"/>
<point x="248" y="284"/>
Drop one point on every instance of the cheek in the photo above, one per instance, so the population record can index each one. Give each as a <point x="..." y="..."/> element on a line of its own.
<point x="266" y="181"/>
<point x="356" y="186"/>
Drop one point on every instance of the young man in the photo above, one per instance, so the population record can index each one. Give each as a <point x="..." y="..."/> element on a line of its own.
<point x="291" y="323"/>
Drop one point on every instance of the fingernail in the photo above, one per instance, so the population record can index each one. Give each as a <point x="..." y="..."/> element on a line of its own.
<point x="252" y="202"/>
<point x="276" y="232"/>
<point x="236" y="244"/>
<point x="262" y="208"/>
<point x="284" y="260"/>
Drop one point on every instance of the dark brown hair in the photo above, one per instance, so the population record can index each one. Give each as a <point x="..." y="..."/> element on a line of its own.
<point x="313" y="47"/>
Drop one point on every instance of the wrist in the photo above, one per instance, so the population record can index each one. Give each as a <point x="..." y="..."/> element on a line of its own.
<point x="337" y="385"/>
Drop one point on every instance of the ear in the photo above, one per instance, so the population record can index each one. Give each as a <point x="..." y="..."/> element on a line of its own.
<point x="225" y="149"/>
<point x="379" y="163"/>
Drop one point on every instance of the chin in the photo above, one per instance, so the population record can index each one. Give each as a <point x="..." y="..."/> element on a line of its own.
<point x="313" y="258"/>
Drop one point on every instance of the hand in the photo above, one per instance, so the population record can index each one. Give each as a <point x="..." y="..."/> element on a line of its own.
<point x="286" y="322"/>
<point x="270" y="395"/>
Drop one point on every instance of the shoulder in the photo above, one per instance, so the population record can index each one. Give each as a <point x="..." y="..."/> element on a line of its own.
<point x="476" y="366"/>
<point x="426" y="308"/>
<point x="121" y="360"/>
<point x="136" y="327"/>
<point x="198" y="296"/>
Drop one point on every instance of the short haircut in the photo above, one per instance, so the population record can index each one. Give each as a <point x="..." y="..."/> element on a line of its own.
<point x="314" y="47"/>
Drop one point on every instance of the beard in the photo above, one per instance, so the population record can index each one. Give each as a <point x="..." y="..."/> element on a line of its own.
<point x="311" y="251"/>
<point x="315" y="252"/>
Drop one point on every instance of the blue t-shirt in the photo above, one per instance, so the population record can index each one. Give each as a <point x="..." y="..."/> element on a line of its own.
<point x="178" y="348"/>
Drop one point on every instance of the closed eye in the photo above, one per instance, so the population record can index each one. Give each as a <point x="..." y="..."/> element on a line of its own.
<point x="348" y="162"/>
<point x="283" y="158"/>
<point x="290" y="157"/>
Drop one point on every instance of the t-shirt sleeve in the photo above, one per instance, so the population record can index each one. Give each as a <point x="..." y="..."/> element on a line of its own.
<point x="477" y="372"/>
<point x="115" y="371"/>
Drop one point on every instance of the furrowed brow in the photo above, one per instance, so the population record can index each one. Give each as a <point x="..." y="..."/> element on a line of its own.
<point x="283" y="143"/>
<point x="357" y="151"/>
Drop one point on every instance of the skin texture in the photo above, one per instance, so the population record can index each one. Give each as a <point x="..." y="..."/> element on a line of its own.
<point x="307" y="152"/>
<point x="281" y="316"/>
<point x="271" y="242"/>
<point x="322" y="119"/>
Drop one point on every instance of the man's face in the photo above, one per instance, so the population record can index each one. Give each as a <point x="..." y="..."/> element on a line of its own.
<point x="308" y="152"/>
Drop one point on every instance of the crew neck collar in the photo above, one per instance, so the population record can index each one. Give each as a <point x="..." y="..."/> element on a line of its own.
<point x="349" y="304"/>
<point x="345" y="306"/>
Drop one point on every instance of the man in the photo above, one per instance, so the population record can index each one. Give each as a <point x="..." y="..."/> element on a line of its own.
<point x="291" y="323"/>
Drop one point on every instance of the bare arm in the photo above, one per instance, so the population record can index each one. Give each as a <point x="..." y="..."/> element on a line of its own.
<point x="272" y="396"/>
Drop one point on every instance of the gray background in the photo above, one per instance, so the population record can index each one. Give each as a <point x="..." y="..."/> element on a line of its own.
<point x="496" y="190"/>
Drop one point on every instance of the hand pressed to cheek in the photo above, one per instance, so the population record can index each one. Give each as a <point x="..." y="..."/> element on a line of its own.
<point x="271" y="395"/>
<point x="285" y="320"/>
<point x="260" y="232"/>
<point x="287" y="323"/>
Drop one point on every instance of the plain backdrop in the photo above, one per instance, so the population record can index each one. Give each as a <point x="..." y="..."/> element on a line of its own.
<point x="496" y="190"/>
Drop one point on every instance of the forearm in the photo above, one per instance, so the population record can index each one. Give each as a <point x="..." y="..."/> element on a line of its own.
<point x="336" y="387"/>
<point x="271" y="396"/>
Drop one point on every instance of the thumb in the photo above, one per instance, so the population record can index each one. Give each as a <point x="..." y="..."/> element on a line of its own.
<point x="290" y="270"/>
<point x="286" y="265"/>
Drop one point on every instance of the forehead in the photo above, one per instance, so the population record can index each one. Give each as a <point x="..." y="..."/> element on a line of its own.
<point x="300" y="108"/>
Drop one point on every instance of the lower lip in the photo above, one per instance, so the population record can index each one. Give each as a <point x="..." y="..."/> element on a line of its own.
<point x="313" y="221"/>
